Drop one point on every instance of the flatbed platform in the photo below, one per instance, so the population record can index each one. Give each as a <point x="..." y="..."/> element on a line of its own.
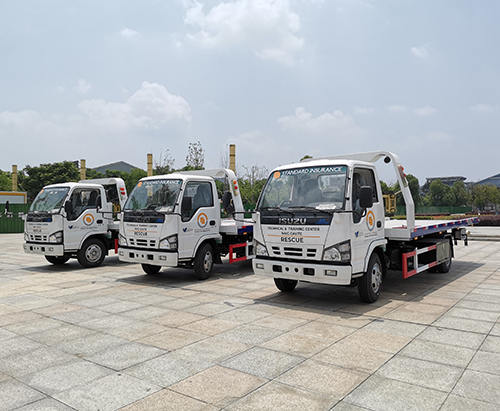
<point x="398" y="230"/>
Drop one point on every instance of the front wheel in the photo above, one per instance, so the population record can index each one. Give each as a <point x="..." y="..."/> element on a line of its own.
<point x="151" y="269"/>
<point x="370" y="284"/>
<point x="203" y="262"/>
<point x="285" y="285"/>
<point x="56" y="260"/>
<point x="92" y="253"/>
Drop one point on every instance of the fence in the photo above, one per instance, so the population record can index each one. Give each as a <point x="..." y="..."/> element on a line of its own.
<point x="12" y="223"/>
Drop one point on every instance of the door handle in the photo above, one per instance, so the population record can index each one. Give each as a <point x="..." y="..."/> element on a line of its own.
<point x="212" y="222"/>
<point x="99" y="221"/>
<point x="379" y="224"/>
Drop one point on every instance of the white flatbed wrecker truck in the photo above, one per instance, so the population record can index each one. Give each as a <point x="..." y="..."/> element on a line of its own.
<point x="174" y="220"/>
<point x="323" y="221"/>
<point x="75" y="220"/>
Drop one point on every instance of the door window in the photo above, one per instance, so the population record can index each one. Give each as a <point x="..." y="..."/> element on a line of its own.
<point x="361" y="177"/>
<point x="82" y="200"/>
<point x="201" y="196"/>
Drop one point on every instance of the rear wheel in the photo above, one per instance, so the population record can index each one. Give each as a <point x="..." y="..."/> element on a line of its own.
<point x="92" y="253"/>
<point x="203" y="262"/>
<point x="56" y="260"/>
<point x="151" y="269"/>
<point x="285" y="285"/>
<point x="370" y="284"/>
<point x="444" y="267"/>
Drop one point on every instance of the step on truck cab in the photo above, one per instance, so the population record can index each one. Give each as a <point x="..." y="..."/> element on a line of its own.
<point x="174" y="220"/>
<point x="323" y="221"/>
<point x="75" y="220"/>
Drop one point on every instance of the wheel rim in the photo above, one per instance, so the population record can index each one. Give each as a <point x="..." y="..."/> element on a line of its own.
<point x="208" y="261"/>
<point x="376" y="277"/>
<point x="93" y="253"/>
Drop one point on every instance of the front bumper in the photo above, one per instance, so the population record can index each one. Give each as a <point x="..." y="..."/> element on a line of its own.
<point x="162" y="258"/>
<point x="56" y="250"/>
<point x="309" y="272"/>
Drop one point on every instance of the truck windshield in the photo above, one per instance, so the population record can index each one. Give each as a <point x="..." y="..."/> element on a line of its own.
<point x="49" y="200"/>
<point x="158" y="195"/>
<point x="322" y="188"/>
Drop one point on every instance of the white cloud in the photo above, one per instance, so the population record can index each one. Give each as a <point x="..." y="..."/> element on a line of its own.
<point x="363" y="110"/>
<point x="425" y="111"/>
<point x="421" y="51"/>
<point x="267" y="27"/>
<point x="150" y="107"/>
<point x="484" y="108"/>
<point x="397" y="109"/>
<point x="128" y="33"/>
<point x="82" y="87"/>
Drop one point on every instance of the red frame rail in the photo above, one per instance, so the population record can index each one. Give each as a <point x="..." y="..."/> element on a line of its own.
<point x="414" y="254"/>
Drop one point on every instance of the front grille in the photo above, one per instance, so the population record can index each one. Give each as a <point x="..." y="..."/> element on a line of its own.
<point x="143" y="242"/>
<point x="38" y="238"/>
<point x="294" y="252"/>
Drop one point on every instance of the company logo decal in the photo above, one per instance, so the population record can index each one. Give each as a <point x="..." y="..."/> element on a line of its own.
<point x="356" y="234"/>
<point x="70" y="227"/>
<point x="88" y="219"/>
<point x="202" y="220"/>
<point x="370" y="220"/>
<point x="277" y="175"/>
<point x="184" y="229"/>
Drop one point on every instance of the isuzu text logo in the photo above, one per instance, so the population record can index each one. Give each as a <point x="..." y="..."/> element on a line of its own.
<point x="291" y="220"/>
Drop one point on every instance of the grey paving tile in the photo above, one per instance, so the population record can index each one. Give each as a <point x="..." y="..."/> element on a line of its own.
<point x="125" y="355"/>
<point x="107" y="394"/>
<point x="172" y="339"/>
<point x="486" y="362"/>
<point x="452" y="337"/>
<point x="278" y="397"/>
<point x="463" y="324"/>
<point x="439" y="353"/>
<point x="473" y="314"/>
<point x="90" y="344"/>
<point x="80" y="316"/>
<point x="18" y="346"/>
<point x="422" y="373"/>
<point x="167" y="400"/>
<point x="263" y="362"/>
<point x="399" y="328"/>
<point x="64" y="377"/>
<point x="54" y="336"/>
<point x="383" y="394"/>
<point x="47" y="404"/>
<point x="479" y="386"/>
<point x="32" y="361"/>
<point x="29" y="327"/>
<point x="14" y="394"/>
<point x="491" y="344"/>
<point x="250" y="334"/>
<point x="456" y="403"/>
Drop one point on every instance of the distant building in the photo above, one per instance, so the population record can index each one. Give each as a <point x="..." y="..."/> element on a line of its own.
<point x="449" y="181"/>
<point x="493" y="180"/>
<point x="117" y="166"/>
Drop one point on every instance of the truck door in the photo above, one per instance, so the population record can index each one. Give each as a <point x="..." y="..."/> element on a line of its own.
<point x="201" y="220"/>
<point x="84" y="219"/>
<point x="367" y="224"/>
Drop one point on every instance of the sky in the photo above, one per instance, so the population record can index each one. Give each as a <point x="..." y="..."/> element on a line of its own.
<point x="111" y="80"/>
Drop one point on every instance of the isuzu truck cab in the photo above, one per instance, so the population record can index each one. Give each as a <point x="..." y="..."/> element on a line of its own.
<point x="75" y="220"/>
<point x="174" y="220"/>
<point x="323" y="221"/>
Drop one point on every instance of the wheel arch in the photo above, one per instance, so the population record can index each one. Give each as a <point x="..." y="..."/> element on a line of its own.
<point x="215" y="248"/>
<point x="377" y="247"/>
<point x="100" y="237"/>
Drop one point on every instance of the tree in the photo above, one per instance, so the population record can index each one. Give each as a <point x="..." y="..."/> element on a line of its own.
<point x="33" y="179"/>
<point x="462" y="196"/>
<point x="252" y="182"/>
<point x="5" y="181"/>
<point x="439" y="194"/>
<point x="165" y="165"/>
<point x="306" y="157"/>
<point x="196" y="157"/>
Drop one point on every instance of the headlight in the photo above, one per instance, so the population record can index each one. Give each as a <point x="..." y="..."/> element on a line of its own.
<point x="169" y="243"/>
<point x="57" y="237"/>
<point x="260" y="249"/>
<point x="340" y="252"/>
<point x="26" y="236"/>
<point x="122" y="240"/>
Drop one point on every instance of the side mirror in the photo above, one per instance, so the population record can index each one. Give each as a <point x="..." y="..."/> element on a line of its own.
<point x="366" y="197"/>
<point x="6" y="207"/>
<point x="187" y="205"/>
<point x="68" y="207"/>
<point x="227" y="202"/>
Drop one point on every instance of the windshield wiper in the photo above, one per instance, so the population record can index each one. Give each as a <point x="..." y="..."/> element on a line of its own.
<point x="320" y="210"/>
<point x="277" y="209"/>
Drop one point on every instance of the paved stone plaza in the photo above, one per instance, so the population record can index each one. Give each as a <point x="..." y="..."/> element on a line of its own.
<point x="113" y="338"/>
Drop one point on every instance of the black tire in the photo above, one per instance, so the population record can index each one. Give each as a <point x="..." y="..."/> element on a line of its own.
<point x="151" y="269"/>
<point x="285" y="285"/>
<point x="204" y="262"/>
<point x="444" y="267"/>
<point x="370" y="284"/>
<point x="92" y="253"/>
<point x="56" y="260"/>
